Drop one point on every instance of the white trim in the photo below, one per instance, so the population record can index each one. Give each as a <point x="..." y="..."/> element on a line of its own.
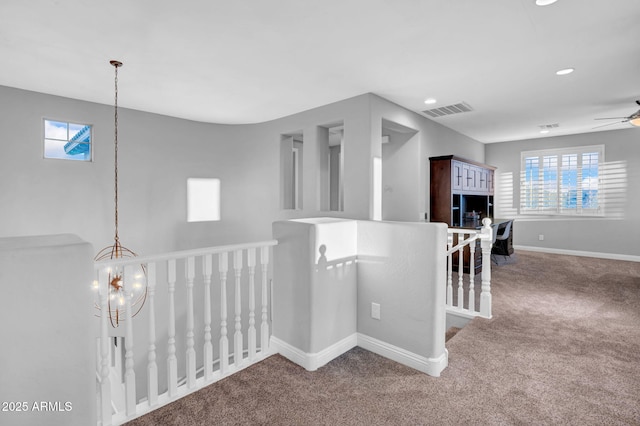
<point x="313" y="361"/>
<point x="458" y="318"/>
<point x="430" y="366"/>
<point x="296" y="177"/>
<point x="613" y="256"/>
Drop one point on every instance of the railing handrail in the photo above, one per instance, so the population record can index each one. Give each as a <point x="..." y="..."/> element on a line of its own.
<point x="462" y="231"/>
<point x="462" y="244"/>
<point x="182" y="254"/>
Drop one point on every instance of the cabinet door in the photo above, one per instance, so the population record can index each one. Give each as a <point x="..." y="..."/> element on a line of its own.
<point x="477" y="179"/>
<point x="483" y="184"/>
<point x="490" y="183"/>
<point x="468" y="177"/>
<point x="456" y="175"/>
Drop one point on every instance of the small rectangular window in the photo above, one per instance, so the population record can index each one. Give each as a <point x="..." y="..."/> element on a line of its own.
<point x="67" y="141"/>
<point x="203" y="200"/>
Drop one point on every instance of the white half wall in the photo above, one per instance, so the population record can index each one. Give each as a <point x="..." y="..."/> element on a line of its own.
<point x="402" y="267"/>
<point x="314" y="292"/>
<point x="48" y="360"/>
<point x="329" y="271"/>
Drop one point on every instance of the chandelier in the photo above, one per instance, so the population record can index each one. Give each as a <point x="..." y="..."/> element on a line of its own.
<point x="131" y="284"/>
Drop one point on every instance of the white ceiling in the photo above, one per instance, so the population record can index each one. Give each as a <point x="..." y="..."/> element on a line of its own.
<point x="250" y="61"/>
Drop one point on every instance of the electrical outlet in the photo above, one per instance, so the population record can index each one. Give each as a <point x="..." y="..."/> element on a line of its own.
<point x="375" y="311"/>
<point x="541" y="237"/>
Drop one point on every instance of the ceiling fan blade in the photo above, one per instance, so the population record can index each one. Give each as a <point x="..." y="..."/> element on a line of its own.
<point x="608" y="124"/>
<point x="610" y="118"/>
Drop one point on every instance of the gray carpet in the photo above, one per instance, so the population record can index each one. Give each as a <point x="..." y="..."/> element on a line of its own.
<point x="563" y="347"/>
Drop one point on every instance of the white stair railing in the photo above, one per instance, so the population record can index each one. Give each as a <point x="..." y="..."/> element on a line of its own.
<point x="461" y="298"/>
<point x="162" y="276"/>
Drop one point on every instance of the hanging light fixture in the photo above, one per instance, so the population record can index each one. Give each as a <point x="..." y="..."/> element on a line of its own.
<point x="132" y="285"/>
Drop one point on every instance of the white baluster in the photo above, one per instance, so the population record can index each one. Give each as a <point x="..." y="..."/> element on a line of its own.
<point x="172" y="362"/>
<point x="460" y="272"/>
<point x="191" y="352"/>
<point x="472" y="272"/>
<point x="264" y="329"/>
<point x="208" y="347"/>
<point x="129" y="374"/>
<point x="237" y="336"/>
<point x="251" y="264"/>
<point x="152" y="367"/>
<point x="223" y="267"/>
<point x="450" y="270"/>
<point x="485" y="244"/>
<point x="105" y="384"/>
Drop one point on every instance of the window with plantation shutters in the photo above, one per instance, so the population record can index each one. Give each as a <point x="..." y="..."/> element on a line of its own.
<point x="563" y="181"/>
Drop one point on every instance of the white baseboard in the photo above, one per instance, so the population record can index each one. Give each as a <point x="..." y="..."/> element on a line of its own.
<point x="313" y="361"/>
<point x="458" y="319"/>
<point x="613" y="256"/>
<point x="430" y="366"/>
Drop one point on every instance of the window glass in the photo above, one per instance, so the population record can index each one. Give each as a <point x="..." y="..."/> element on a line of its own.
<point x="67" y="141"/>
<point x="530" y="186"/>
<point x="203" y="199"/>
<point x="590" y="178"/>
<point x="569" y="187"/>
<point x="550" y="181"/>
<point x="562" y="181"/>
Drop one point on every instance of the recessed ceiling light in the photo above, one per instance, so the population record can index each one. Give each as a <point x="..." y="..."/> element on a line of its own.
<point x="544" y="131"/>
<point x="545" y="2"/>
<point x="565" y="71"/>
<point x="430" y="101"/>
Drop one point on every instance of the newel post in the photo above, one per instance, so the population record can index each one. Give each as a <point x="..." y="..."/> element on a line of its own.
<point x="486" y="241"/>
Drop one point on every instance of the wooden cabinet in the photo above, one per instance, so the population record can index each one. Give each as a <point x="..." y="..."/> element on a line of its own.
<point x="458" y="187"/>
<point x="456" y="175"/>
<point x="461" y="195"/>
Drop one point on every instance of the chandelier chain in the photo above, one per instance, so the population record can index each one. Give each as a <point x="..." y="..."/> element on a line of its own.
<point x="116" y="153"/>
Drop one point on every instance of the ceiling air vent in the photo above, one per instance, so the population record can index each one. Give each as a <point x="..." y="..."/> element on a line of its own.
<point x="448" y="110"/>
<point x="549" y="126"/>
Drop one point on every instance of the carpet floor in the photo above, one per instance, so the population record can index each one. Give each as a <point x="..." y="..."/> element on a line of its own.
<point x="562" y="348"/>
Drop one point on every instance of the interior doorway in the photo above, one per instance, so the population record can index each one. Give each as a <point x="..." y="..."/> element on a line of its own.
<point x="400" y="172"/>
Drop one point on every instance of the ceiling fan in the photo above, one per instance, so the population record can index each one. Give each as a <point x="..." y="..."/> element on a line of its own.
<point x="633" y="119"/>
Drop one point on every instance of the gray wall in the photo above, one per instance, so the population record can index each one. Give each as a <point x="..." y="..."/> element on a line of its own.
<point x="616" y="234"/>
<point x="158" y="153"/>
<point x="156" y="156"/>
